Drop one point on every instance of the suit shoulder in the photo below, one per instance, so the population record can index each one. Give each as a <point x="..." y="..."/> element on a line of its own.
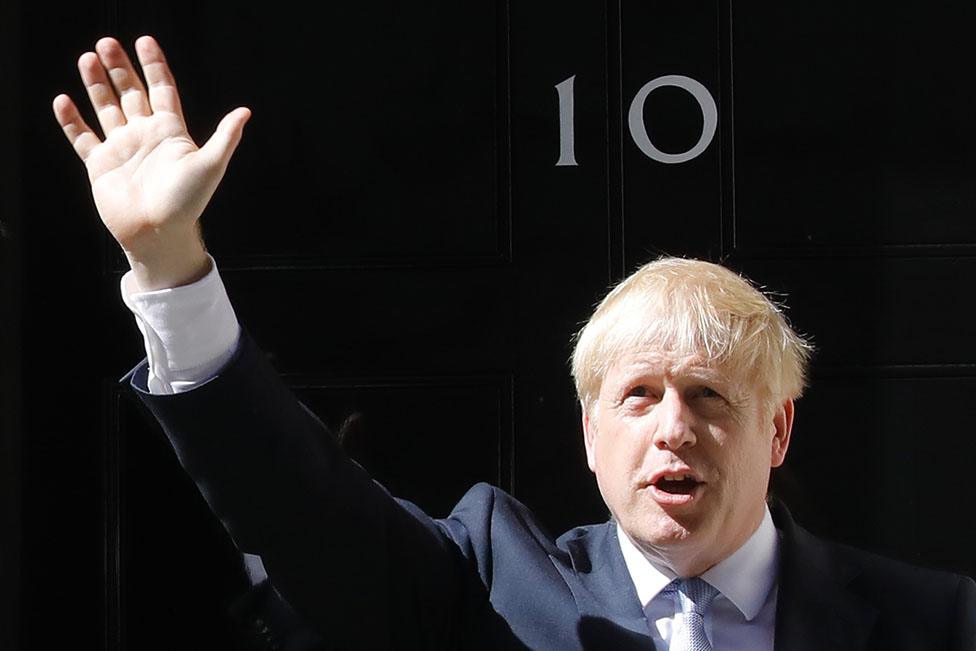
<point x="900" y="605"/>
<point x="487" y="511"/>
<point x="806" y="553"/>
<point x="497" y="533"/>
<point x="944" y="601"/>
<point x="880" y="570"/>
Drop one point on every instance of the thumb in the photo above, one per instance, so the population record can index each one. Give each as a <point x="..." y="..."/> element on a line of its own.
<point x="222" y="144"/>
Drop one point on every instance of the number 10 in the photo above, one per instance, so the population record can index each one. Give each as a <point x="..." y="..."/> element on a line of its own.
<point x="635" y="120"/>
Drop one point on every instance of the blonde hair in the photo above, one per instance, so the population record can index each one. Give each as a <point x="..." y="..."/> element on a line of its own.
<point x="692" y="309"/>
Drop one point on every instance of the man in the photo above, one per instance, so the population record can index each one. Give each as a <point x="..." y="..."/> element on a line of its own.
<point x="686" y="375"/>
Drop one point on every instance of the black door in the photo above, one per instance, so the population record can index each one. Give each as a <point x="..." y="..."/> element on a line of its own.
<point x="426" y="204"/>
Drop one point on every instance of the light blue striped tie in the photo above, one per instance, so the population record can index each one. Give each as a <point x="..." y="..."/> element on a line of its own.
<point x="695" y="596"/>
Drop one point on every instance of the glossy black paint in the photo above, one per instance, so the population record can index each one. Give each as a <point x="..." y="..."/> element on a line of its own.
<point x="395" y="233"/>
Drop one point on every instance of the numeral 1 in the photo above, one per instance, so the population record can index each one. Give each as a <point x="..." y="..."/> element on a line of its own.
<point x="567" y="135"/>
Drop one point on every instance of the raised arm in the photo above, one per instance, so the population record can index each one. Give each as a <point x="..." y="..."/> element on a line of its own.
<point x="361" y="569"/>
<point x="150" y="181"/>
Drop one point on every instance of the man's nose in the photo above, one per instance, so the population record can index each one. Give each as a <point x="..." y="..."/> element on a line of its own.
<point x="673" y="426"/>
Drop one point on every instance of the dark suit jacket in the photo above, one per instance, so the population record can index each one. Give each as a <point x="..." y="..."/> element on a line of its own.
<point x="366" y="571"/>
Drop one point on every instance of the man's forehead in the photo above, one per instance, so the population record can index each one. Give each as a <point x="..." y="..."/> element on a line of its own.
<point x="671" y="364"/>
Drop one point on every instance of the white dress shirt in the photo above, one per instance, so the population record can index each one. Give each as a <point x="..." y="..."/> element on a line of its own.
<point x="743" y="615"/>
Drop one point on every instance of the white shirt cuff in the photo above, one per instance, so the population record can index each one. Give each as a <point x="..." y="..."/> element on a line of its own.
<point x="190" y="332"/>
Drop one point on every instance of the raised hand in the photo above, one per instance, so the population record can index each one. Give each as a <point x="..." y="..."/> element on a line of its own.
<point x="149" y="179"/>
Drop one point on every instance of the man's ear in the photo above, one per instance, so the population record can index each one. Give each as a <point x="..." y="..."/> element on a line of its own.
<point x="589" y="438"/>
<point x="783" y="424"/>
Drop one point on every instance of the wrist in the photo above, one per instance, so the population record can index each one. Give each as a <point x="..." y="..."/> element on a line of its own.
<point x="174" y="262"/>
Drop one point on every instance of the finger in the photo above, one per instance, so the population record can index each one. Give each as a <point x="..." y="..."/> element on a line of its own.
<point x="222" y="144"/>
<point x="162" y="87"/>
<point x="100" y="92"/>
<point x="128" y="87"/>
<point x="78" y="133"/>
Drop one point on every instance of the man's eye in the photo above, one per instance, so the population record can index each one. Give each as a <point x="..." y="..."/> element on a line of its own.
<point x="708" y="392"/>
<point x="642" y="393"/>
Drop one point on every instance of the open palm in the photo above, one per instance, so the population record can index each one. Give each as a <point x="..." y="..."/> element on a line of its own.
<point x="149" y="179"/>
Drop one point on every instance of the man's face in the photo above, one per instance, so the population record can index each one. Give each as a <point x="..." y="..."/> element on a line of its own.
<point x="682" y="454"/>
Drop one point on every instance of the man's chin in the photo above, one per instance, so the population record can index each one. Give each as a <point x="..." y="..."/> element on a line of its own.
<point x="682" y="551"/>
<point x="663" y="533"/>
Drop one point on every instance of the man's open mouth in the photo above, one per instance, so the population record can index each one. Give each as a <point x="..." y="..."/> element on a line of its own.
<point x="677" y="484"/>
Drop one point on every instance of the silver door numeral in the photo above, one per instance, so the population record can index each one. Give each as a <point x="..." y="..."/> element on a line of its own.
<point x="635" y="120"/>
<point x="567" y="140"/>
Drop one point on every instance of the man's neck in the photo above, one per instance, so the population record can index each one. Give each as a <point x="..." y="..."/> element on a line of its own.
<point x="695" y="557"/>
<point x="745" y="576"/>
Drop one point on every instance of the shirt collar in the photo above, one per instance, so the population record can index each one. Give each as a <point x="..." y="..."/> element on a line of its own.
<point x="744" y="578"/>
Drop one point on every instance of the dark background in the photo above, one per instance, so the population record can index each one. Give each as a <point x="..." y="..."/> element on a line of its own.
<point x="395" y="232"/>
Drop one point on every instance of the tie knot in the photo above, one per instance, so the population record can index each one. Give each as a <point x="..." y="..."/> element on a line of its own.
<point x="694" y="594"/>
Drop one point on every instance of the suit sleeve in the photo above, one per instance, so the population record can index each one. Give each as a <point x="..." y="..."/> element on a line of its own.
<point x="360" y="569"/>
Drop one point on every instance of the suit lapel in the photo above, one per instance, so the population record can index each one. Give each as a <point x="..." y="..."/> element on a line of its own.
<point x="815" y="610"/>
<point x="611" y="616"/>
